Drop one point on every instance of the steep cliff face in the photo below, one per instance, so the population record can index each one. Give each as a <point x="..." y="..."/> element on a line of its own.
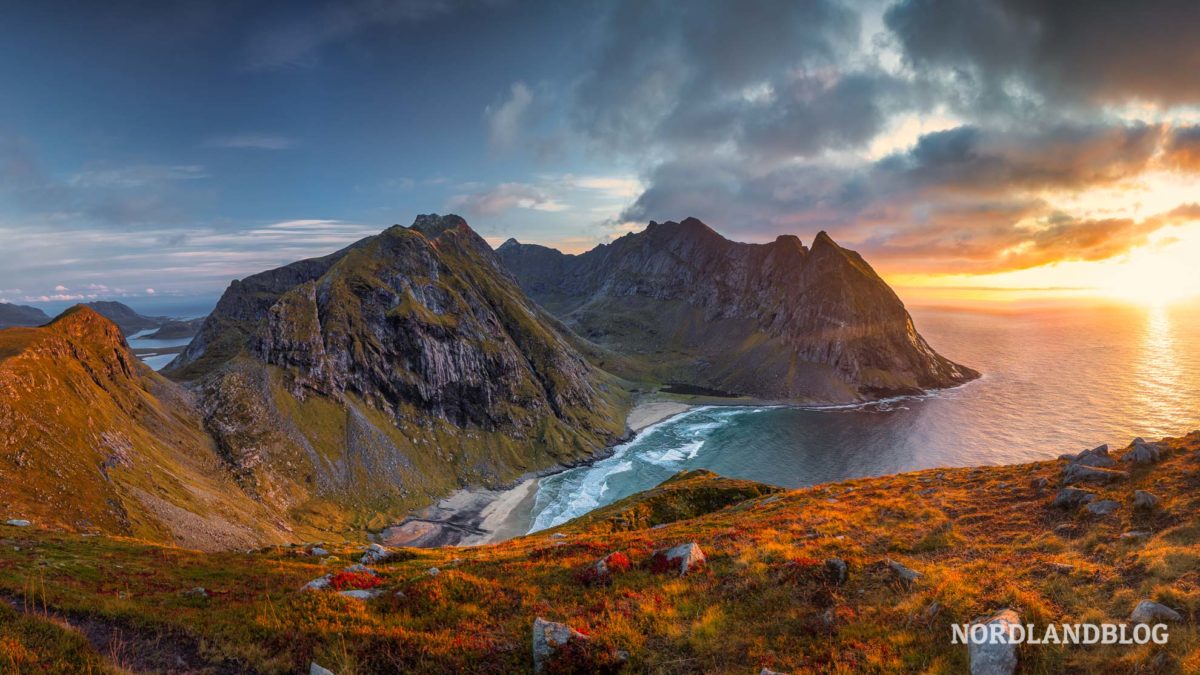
<point x="375" y="379"/>
<point x="680" y="302"/>
<point x="94" y="440"/>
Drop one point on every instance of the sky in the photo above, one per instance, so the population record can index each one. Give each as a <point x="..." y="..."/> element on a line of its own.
<point x="986" y="151"/>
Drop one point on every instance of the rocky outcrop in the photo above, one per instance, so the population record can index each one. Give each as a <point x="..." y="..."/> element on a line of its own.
<point x="548" y="638"/>
<point x="682" y="303"/>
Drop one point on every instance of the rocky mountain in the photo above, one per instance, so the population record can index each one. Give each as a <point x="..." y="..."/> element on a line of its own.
<point x="367" y="382"/>
<point x="126" y="317"/>
<point x="679" y="303"/>
<point x="21" y="315"/>
<point x="93" y="440"/>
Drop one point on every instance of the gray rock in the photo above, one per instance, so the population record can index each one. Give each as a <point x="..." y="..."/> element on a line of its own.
<point x="905" y="575"/>
<point x="1097" y="456"/>
<point x="548" y="637"/>
<point x="684" y="557"/>
<point x="999" y="656"/>
<point x="375" y="554"/>
<point x="320" y="583"/>
<point x="433" y="571"/>
<point x="558" y="535"/>
<point x="1103" y="507"/>
<point x="837" y="571"/>
<point x="1061" y="568"/>
<point x="768" y="671"/>
<point x="1039" y="483"/>
<point x="314" y="669"/>
<point x="1148" y="611"/>
<point x="318" y="551"/>
<point x="1143" y="452"/>
<point x="198" y="592"/>
<point x="1136" y="534"/>
<point x="1144" y="500"/>
<point x="17" y="522"/>
<point x="1073" y="474"/>
<point x="359" y="567"/>
<point x="366" y="594"/>
<point x="1069" y="498"/>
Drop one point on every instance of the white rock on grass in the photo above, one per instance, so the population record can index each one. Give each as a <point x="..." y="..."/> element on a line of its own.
<point x="684" y="557"/>
<point x="375" y="553"/>
<point x="361" y="594"/>
<point x="905" y="575"/>
<point x="314" y="669"/>
<point x="1148" y="611"/>
<point x="17" y="522"/>
<point x="548" y="637"/>
<point x="320" y="583"/>
<point x="995" y="656"/>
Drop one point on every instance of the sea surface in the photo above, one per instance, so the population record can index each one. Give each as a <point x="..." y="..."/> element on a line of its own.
<point x="1054" y="381"/>
<point x="156" y="360"/>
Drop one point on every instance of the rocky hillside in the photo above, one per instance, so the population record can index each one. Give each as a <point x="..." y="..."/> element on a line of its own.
<point x="21" y="315"/>
<point x="703" y="574"/>
<point x="680" y="303"/>
<point x="95" y="441"/>
<point x="348" y="389"/>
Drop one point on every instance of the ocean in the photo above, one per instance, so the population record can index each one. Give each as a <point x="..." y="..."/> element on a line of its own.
<point x="1054" y="380"/>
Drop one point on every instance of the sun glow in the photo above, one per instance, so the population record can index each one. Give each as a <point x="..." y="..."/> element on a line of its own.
<point x="1165" y="270"/>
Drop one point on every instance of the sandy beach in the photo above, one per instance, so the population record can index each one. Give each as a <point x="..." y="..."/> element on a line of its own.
<point x="481" y="516"/>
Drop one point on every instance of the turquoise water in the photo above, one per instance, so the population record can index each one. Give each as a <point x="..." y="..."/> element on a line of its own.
<point x="1054" y="381"/>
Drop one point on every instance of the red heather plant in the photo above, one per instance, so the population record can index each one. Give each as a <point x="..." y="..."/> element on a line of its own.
<point x="354" y="581"/>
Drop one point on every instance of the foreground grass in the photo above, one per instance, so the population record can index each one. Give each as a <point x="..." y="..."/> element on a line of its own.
<point x="983" y="539"/>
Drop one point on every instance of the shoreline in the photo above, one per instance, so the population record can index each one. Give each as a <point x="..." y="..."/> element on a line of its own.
<point x="475" y="516"/>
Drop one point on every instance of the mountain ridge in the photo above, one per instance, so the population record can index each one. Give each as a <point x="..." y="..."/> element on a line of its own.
<point x="775" y="321"/>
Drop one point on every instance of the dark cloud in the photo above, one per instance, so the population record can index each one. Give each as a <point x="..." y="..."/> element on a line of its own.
<point x="701" y="74"/>
<point x="1082" y="51"/>
<point x="1182" y="149"/>
<point x="964" y="199"/>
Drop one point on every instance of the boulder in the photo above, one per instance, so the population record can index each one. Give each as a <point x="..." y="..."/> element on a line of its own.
<point x="359" y="567"/>
<point x="558" y="535"/>
<point x="998" y="655"/>
<point x="1148" y="611"/>
<point x="1073" y="474"/>
<point x="1039" y="483"/>
<point x="903" y="574"/>
<point x="1102" y="507"/>
<point x="364" y="594"/>
<point x="17" y="522"/>
<point x="1097" y="456"/>
<point x="1144" y="500"/>
<point x="197" y="592"/>
<point x="1143" y="452"/>
<point x="683" y="558"/>
<point x="318" y="551"/>
<point x="549" y="637"/>
<point x="320" y="583"/>
<point x="375" y="554"/>
<point x="1136" y="534"/>
<point x="837" y="571"/>
<point x="1069" y="498"/>
<point x="433" y="571"/>
<point x="314" y="669"/>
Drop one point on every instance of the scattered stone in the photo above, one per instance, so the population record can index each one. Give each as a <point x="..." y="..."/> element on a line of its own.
<point x="684" y="557"/>
<point x="1040" y="483"/>
<point x="320" y="583"/>
<point x="318" y="551"/>
<point x="361" y="594"/>
<point x="314" y="669"/>
<point x="1097" y="456"/>
<point x="1136" y="534"/>
<point x="837" y="571"/>
<point x="1148" y="611"/>
<point x="905" y="575"/>
<point x="1103" y="507"/>
<point x="359" y="567"/>
<point x="548" y="637"/>
<point x="1069" y="498"/>
<point x="1061" y="568"/>
<point x="1074" y="474"/>
<point x="375" y="554"/>
<point x="198" y="592"/>
<point x="17" y="522"/>
<point x="770" y="500"/>
<point x="433" y="571"/>
<point x="1143" y="452"/>
<point x="926" y="491"/>
<point x="768" y="671"/>
<point x="1144" y="500"/>
<point x="558" y="535"/>
<point x="998" y="655"/>
<point x="603" y="570"/>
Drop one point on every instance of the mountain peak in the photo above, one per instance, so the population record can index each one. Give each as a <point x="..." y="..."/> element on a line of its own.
<point x="823" y="239"/>
<point x="81" y="321"/>
<point x="433" y="225"/>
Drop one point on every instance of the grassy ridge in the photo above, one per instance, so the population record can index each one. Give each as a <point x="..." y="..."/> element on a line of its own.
<point x="982" y="538"/>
